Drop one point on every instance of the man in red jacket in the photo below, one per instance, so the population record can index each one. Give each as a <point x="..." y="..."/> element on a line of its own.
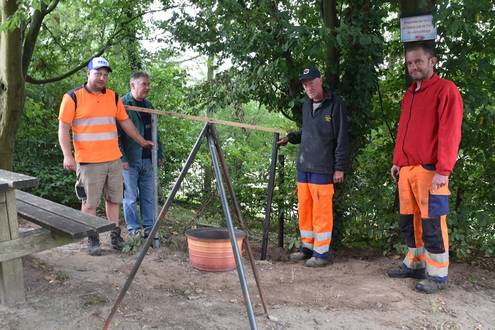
<point x="424" y="156"/>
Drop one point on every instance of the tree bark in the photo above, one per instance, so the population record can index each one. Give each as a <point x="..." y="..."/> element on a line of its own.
<point x="416" y="8"/>
<point x="330" y="21"/>
<point x="208" y="170"/>
<point x="133" y="47"/>
<point x="11" y="84"/>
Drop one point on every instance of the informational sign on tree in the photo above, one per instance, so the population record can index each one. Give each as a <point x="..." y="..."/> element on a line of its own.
<point x="417" y="28"/>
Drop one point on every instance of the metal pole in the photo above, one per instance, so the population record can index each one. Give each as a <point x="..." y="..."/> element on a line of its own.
<point x="230" y="226"/>
<point x="161" y="216"/>
<point x="237" y="212"/>
<point x="154" y="161"/>
<point x="269" y="196"/>
<point x="281" y="207"/>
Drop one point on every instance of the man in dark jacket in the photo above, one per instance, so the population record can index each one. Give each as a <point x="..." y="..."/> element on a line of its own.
<point x="136" y="161"/>
<point x="424" y="156"/>
<point x="321" y="162"/>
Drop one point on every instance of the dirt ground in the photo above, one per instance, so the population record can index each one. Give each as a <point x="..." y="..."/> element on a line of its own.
<point x="67" y="289"/>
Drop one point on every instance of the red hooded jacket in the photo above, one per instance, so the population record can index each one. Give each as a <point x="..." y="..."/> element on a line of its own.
<point x="430" y="125"/>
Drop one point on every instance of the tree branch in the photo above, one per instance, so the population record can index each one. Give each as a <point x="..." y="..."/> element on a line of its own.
<point x="286" y="115"/>
<point x="32" y="35"/>
<point x="34" y="81"/>
<point x="185" y="60"/>
<point x="51" y="7"/>
<point x="54" y="37"/>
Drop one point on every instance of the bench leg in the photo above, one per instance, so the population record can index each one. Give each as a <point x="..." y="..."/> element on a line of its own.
<point x="11" y="282"/>
<point x="11" y="272"/>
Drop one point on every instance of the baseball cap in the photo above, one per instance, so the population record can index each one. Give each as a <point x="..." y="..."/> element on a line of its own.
<point x="99" y="62"/>
<point x="309" y="73"/>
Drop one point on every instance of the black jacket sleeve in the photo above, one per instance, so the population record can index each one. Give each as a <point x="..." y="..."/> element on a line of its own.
<point x="341" y="137"/>
<point x="294" y="137"/>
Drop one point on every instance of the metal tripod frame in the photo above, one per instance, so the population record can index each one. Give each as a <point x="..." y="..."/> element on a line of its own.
<point x="219" y="167"/>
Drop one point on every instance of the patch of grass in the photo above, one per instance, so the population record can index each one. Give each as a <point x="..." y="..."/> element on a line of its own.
<point x="94" y="299"/>
<point x="134" y="243"/>
<point x="61" y="276"/>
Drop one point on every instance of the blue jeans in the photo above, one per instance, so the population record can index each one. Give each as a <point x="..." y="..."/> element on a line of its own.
<point x="138" y="186"/>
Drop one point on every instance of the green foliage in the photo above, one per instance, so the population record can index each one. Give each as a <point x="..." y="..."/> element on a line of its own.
<point x="38" y="153"/>
<point x="372" y="212"/>
<point x="268" y="43"/>
<point x="71" y="32"/>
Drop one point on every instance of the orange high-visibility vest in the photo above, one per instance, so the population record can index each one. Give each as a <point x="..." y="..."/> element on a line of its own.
<point x="93" y="122"/>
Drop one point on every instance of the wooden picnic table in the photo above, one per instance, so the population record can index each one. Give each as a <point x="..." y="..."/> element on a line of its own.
<point x="60" y="225"/>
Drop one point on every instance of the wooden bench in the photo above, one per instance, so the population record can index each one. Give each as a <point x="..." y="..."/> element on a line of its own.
<point x="60" y="225"/>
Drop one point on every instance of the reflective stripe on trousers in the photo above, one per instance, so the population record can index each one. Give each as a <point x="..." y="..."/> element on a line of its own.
<point x="424" y="225"/>
<point x="315" y="216"/>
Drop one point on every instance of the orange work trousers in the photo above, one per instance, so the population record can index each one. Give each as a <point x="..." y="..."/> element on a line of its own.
<point x="315" y="204"/>
<point x="423" y="221"/>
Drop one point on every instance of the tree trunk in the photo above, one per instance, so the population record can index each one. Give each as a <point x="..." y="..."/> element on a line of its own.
<point x="132" y="47"/>
<point x="416" y="8"/>
<point x="280" y="201"/>
<point x="208" y="170"/>
<point x="329" y="16"/>
<point x="12" y="85"/>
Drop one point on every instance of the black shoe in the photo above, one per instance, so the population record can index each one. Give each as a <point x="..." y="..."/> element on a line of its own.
<point x="429" y="286"/>
<point x="94" y="247"/>
<point x="116" y="240"/>
<point x="403" y="271"/>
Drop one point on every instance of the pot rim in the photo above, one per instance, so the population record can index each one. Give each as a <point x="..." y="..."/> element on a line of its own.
<point x="194" y="233"/>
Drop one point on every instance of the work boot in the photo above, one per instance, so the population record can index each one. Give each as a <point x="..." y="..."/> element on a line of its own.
<point x="299" y="256"/>
<point x="430" y="286"/>
<point x="316" y="262"/>
<point x="94" y="248"/>
<point x="116" y="240"/>
<point x="403" y="271"/>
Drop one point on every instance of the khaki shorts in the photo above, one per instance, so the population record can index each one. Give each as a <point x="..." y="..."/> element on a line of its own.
<point x="101" y="178"/>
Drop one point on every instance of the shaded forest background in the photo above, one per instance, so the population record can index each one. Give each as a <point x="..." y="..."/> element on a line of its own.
<point x="255" y="50"/>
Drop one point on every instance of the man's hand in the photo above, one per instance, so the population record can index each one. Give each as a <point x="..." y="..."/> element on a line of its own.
<point x="394" y="172"/>
<point x="70" y="163"/>
<point x="125" y="166"/>
<point x="161" y="162"/>
<point x="147" y="144"/>
<point x="338" y="177"/>
<point x="283" y="141"/>
<point x="439" y="181"/>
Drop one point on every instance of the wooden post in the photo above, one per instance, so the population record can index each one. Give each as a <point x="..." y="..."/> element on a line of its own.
<point x="281" y="206"/>
<point x="11" y="273"/>
<point x="269" y="196"/>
